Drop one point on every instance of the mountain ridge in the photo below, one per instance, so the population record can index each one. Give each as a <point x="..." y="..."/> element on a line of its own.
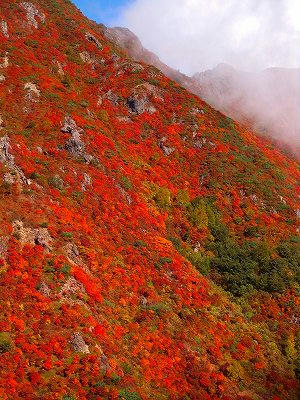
<point x="226" y="89"/>
<point x="149" y="246"/>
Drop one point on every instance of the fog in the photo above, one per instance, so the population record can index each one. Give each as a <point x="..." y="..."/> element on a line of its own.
<point x="268" y="101"/>
<point x="250" y="35"/>
<point x="195" y="35"/>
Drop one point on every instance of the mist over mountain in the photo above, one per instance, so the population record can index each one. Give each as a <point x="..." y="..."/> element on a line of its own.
<point x="149" y="244"/>
<point x="197" y="35"/>
<point x="267" y="101"/>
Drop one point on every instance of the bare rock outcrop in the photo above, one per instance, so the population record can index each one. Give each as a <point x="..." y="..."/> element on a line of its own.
<point x="75" y="145"/>
<point x="32" y="92"/>
<point x="9" y="178"/>
<point x="87" y="57"/>
<point x="5" y="156"/>
<point x="87" y="181"/>
<point x="4" y="28"/>
<point x="70" y="126"/>
<point x="78" y="344"/>
<point x="91" y="38"/>
<point x="38" y="236"/>
<point x="167" y="150"/>
<point x="9" y="161"/>
<point x="139" y="101"/>
<point x="143" y="301"/>
<point x="103" y="360"/>
<point x="60" y="67"/>
<point x="71" y="287"/>
<point x="5" y="61"/>
<point x="72" y="253"/>
<point x="44" y="289"/>
<point x="111" y="96"/>
<point x="124" y="194"/>
<point x="32" y="13"/>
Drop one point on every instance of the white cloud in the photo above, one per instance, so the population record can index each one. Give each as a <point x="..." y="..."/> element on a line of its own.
<point x="194" y="35"/>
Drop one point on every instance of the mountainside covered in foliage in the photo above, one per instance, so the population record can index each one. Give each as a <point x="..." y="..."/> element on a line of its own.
<point x="149" y="246"/>
<point x="265" y="101"/>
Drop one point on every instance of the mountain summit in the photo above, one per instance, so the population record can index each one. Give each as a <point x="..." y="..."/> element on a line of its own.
<point x="149" y="245"/>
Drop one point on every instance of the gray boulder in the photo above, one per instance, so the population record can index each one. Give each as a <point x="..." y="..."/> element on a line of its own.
<point x="78" y="344"/>
<point x="167" y="150"/>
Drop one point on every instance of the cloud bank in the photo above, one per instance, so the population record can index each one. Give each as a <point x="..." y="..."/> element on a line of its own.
<point x="195" y="35"/>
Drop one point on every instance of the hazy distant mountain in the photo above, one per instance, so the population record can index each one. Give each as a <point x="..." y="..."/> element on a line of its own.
<point x="267" y="101"/>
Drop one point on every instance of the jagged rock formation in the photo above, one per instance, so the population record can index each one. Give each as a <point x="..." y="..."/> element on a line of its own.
<point x="4" y="28"/>
<point x="78" y="343"/>
<point x="39" y="236"/>
<point x="32" y="13"/>
<point x="9" y="160"/>
<point x="75" y="145"/>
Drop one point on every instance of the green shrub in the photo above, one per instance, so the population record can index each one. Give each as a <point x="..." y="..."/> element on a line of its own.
<point x="164" y="260"/>
<point x="66" y="81"/>
<point x="73" y="55"/>
<point x="32" y="43"/>
<point x="139" y="243"/>
<point x="103" y="116"/>
<point x="202" y="263"/>
<point x="35" y="175"/>
<point x="72" y="104"/>
<point x="226" y="123"/>
<point x="163" y="197"/>
<point x="126" y="183"/>
<point x="5" y="342"/>
<point x="84" y="103"/>
<point x="91" y="80"/>
<point x="56" y="182"/>
<point x="67" y="235"/>
<point x="54" y="97"/>
<point x="125" y="394"/>
<point x="66" y="269"/>
<point x="182" y="198"/>
<point x="197" y="213"/>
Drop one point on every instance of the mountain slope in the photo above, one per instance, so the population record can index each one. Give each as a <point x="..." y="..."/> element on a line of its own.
<point x="131" y="44"/>
<point x="266" y="101"/>
<point x="119" y="191"/>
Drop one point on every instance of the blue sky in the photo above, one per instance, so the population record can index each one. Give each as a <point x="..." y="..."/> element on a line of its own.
<point x="195" y="35"/>
<point x="105" y="11"/>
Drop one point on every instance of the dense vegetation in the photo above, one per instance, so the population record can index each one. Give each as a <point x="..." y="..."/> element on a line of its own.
<point x="149" y="246"/>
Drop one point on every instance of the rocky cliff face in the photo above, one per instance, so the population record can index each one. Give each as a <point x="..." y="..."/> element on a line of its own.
<point x="149" y="246"/>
